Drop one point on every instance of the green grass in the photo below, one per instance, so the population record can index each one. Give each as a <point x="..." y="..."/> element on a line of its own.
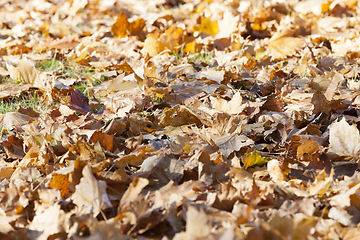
<point x="5" y="79"/>
<point x="51" y="65"/>
<point x="179" y="55"/>
<point x="203" y="56"/>
<point x="24" y="101"/>
<point x="81" y="86"/>
<point x="71" y="71"/>
<point x="156" y="99"/>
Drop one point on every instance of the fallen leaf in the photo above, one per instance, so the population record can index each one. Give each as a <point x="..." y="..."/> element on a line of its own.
<point x="197" y="223"/>
<point x="344" y="139"/>
<point x="233" y="143"/>
<point x="90" y="194"/>
<point x="123" y="28"/>
<point x="282" y="47"/>
<point x="14" y="147"/>
<point x="208" y="27"/>
<point x="49" y="221"/>
<point x="79" y="103"/>
<point x="321" y="184"/>
<point x="25" y="72"/>
<point x="253" y="159"/>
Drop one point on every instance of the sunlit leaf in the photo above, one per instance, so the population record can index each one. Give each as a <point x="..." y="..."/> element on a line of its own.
<point x="208" y="27"/>
<point x="254" y="159"/>
<point x="61" y="182"/>
<point x="123" y="28"/>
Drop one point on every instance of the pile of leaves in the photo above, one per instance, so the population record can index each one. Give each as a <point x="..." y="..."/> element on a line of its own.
<point x="179" y="119"/>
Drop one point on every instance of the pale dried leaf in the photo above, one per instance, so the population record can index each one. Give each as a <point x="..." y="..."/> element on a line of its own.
<point x="344" y="139"/>
<point x="90" y="195"/>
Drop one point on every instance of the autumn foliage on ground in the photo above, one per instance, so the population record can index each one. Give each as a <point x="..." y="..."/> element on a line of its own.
<point x="179" y="119"/>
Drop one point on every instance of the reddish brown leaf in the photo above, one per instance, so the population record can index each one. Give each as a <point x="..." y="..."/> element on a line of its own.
<point x="14" y="147"/>
<point x="79" y="103"/>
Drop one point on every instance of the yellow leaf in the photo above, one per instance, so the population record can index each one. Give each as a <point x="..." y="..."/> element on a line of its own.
<point x="152" y="45"/>
<point x="136" y="157"/>
<point x="201" y="7"/>
<point x="250" y="63"/>
<point x="190" y="47"/>
<point x="325" y="7"/>
<point x="187" y="148"/>
<point x="258" y="26"/>
<point x="208" y="27"/>
<point x="171" y="39"/>
<point x="122" y="28"/>
<point x="81" y="57"/>
<point x="253" y="159"/>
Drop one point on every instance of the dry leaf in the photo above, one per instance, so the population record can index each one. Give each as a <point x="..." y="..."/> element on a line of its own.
<point x="25" y="72"/>
<point x="233" y="143"/>
<point x="344" y="139"/>
<point x="321" y="184"/>
<point x="90" y="195"/>
<point x="175" y="119"/>
<point x="197" y="223"/>
<point x="122" y="28"/>
<point x="282" y="47"/>
<point x="208" y="27"/>
<point x="253" y="159"/>
<point x="49" y="221"/>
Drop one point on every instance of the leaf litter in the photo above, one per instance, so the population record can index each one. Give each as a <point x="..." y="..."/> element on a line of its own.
<point x="180" y="119"/>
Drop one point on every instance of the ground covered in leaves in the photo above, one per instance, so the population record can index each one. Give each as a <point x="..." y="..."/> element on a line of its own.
<point x="179" y="119"/>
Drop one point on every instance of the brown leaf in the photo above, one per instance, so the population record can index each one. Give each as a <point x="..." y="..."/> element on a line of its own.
<point x="320" y="161"/>
<point x="14" y="147"/>
<point x="28" y="111"/>
<point x="181" y="115"/>
<point x="321" y="104"/>
<point x="132" y="193"/>
<point x="308" y="147"/>
<point x="117" y="126"/>
<point x="272" y="104"/>
<point x="79" y="103"/>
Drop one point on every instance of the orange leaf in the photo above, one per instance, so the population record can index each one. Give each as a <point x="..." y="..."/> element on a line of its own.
<point x="106" y="141"/>
<point x="61" y="182"/>
<point x="308" y="146"/>
<point x="122" y="28"/>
